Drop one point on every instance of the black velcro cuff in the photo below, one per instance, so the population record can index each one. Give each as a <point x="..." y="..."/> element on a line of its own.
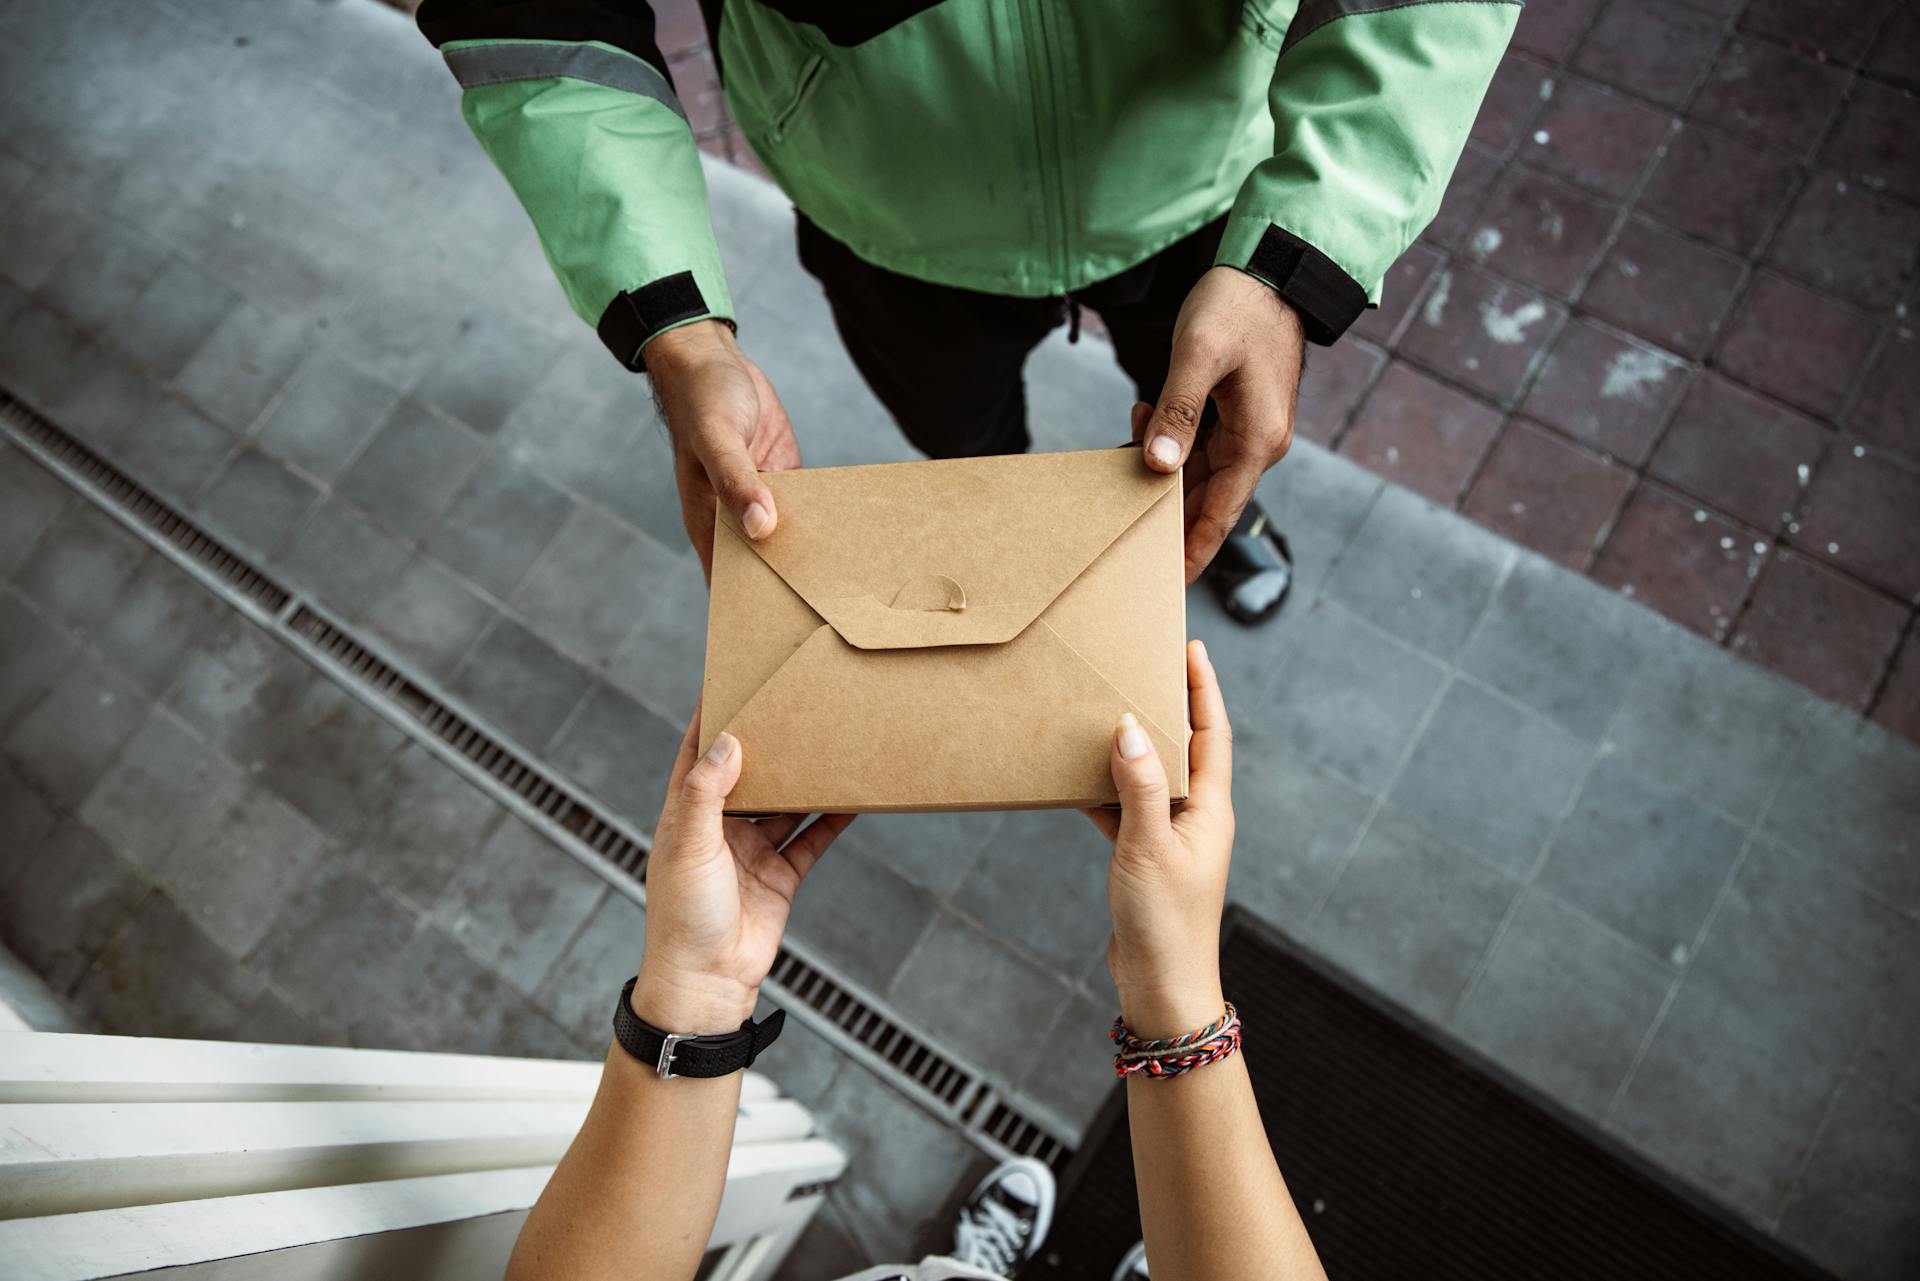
<point x="636" y="315"/>
<point x="1327" y="298"/>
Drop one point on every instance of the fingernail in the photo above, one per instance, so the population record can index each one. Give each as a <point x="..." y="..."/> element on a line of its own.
<point x="721" y="749"/>
<point x="1164" y="450"/>
<point x="1202" y="647"/>
<point x="1133" y="740"/>
<point x="758" y="520"/>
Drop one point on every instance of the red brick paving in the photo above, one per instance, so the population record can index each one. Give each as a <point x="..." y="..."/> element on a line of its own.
<point x="1335" y="379"/>
<point x="1550" y="29"/>
<point x="1595" y="138"/>
<point x="1878" y="139"/>
<point x="1479" y="330"/>
<point x="1770" y="95"/>
<point x="1471" y="177"/>
<point x="1740" y="453"/>
<point x="1608" y="390"/>
<point x="1720" y="188"/>
<point x="1821" y="628"/>
<point x="1796" y="343"/>
<point x="1422" y="433"/>
<point x="698" y="89"/>
<point x="1513" y="100"/>
<point x="1542" y="490"/>
<point x="1405" y="281"/>
<point x="1654" y="49"/>
<point x="1860" y="514"/>
<point x="1840" y="32"/>
<point x="1898" y="705"/>
<point x="1718" y="204"/>
<point x="1887" y="410"/>
<point x="1690" y="564"/>
<point x="1897" y="58"/>
<point x="678" y="27"/>
<point x="1846" y="239"/>
<point x="1664" y="287"/>
<point x="1540" y="231"/>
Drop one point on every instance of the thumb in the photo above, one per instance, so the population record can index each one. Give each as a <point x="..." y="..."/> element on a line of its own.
<point x="703" y="792"/>
<point x="1142" y="783"/>
<point x="734" y="478"/>
<point x="1175" y="420"/>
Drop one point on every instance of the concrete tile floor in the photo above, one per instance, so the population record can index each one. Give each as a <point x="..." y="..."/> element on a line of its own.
<point x="1740" y="1007"/>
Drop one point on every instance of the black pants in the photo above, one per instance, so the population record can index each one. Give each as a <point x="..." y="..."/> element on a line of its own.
<point x="946" y="362"/>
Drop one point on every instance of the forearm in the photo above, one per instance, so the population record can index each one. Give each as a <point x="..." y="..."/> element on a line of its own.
<point x="1212" y="1202"/>
<point x="638" y="1190"/>
<point x="1213" y="1206"/>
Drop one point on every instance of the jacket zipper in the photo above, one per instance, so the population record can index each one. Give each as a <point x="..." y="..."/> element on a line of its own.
<point x="1042" y="90"/>
<point x="1052" y="63"/>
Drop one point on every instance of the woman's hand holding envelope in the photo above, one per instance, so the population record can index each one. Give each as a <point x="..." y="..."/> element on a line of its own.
<point x="718" y="893"/>
<point x="1168" y="880"/>
<point x="1212" y="1201"/>
<point x="727" y="427"/>
<point x="719" y="888"/>
<point x="639" y="1189"/>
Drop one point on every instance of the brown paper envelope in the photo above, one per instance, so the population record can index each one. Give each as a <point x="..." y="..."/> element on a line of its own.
<point x="957" y="634"/>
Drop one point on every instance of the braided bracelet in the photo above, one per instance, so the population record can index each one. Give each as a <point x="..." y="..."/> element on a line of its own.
<point x="1175" y="1055"/>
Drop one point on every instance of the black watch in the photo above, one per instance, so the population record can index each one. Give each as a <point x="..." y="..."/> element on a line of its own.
<point x="671" y="1055"/>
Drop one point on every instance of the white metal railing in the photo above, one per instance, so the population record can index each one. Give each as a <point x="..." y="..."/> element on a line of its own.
<point x="120" y="1156"/>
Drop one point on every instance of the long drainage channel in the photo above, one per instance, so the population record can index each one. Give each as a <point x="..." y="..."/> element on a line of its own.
<point x="852" y="1020"/>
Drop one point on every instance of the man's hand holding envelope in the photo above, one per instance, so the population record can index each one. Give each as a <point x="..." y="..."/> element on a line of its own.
<point x="955" y="634"/>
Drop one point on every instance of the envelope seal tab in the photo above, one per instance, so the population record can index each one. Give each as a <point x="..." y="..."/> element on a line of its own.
<point x="931" y="593"/>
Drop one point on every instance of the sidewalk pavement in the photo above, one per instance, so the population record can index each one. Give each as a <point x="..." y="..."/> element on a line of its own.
<point x="1674" y="891"/>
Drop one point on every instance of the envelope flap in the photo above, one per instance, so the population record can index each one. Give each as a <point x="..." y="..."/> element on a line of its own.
<point x="962" y="551"/>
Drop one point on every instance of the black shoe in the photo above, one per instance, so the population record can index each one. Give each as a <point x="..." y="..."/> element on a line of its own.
<point x="1004" y="1221"/>
<point x="1254" y="571"/>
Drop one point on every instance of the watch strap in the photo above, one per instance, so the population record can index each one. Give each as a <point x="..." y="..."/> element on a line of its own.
<point x="670" y="1054"/>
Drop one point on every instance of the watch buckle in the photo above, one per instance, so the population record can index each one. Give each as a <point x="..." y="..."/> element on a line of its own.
<point x="664" y="1068"/>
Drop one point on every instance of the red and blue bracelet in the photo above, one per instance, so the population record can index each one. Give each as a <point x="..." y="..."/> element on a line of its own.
<point x="1177" y="1055"/>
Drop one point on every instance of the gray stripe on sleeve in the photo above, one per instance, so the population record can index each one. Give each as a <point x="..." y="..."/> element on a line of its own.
<point x="493" y="64"/>
<point x="1315" y="14"/>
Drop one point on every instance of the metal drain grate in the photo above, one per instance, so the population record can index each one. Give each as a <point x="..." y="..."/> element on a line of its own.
<point x="857" y="1024"/>
<point x="899" y="1049"/>
<point x="944" y="1086"/>
<point x="115" y="490"/>
<point x="379" y="682"/>
<point x="1017" y="1132"/>
<point x="545" y="796"/>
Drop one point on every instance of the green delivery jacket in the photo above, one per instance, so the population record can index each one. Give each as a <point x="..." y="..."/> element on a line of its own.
<point x="1025" y="147"/>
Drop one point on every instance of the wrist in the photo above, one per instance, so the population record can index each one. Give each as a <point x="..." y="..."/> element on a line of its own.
<point x="691" y="1004"/>
<point x="1154" y="1011"/>
<point x="673" y="351"/>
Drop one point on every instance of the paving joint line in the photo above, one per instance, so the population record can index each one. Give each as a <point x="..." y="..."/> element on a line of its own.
<point x="979" y="1104"/>
<point x="1699" y="938"/>
<point x="1805" y="1162"/>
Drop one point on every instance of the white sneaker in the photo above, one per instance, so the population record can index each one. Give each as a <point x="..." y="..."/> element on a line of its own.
<point x="1134" y="1266"/>
<point x="1005" y="1220"/>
